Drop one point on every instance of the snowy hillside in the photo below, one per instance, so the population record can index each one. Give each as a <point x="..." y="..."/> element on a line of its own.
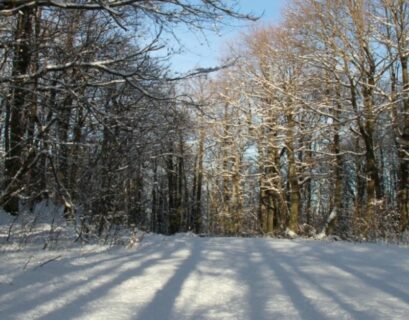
<point x="188" y="277"/>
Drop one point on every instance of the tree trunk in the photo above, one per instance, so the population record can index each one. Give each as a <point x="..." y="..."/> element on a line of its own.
<point x="18" y="110"/>
<point x="403" y="192"/>
<point x="197" y="185"/>
<point x="172" y="193"/>
<point x="292" y="178"/>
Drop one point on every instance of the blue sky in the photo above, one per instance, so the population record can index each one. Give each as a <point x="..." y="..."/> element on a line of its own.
<point x="203" y="50"/>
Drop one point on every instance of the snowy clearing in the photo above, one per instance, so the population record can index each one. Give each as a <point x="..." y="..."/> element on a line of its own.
<point x="187" y="277"/>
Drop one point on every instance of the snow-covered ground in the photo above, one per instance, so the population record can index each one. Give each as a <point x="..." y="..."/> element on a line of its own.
<point x="188" y="277"/>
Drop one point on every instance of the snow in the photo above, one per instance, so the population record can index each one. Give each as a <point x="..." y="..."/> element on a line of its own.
<point x="321" y="235"/>
<point x="190" y="277"/>
<point x="290" y="234"/>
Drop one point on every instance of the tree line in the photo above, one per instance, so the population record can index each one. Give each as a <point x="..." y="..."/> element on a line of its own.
<point x="312" y="123"/>
<point x="308" y="130"/>
<point x="89" y="110"/>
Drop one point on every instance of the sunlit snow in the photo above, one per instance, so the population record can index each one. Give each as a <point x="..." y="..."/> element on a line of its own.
<point x="188" y="277"/>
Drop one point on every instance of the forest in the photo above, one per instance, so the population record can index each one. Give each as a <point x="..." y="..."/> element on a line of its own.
<point x="303" y="128"/>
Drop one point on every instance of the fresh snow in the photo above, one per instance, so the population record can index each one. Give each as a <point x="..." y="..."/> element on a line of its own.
<point x="186" y="277"/>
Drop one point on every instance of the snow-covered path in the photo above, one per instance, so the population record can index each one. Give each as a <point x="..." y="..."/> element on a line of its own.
<point x="207" y="278"/>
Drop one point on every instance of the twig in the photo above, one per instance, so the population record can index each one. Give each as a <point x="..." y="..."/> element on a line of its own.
<point x="48" y="261"/>
<point x="27" y="262"/>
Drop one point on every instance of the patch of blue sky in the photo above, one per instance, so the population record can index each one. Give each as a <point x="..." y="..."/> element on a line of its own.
<point x="204" y="48"/>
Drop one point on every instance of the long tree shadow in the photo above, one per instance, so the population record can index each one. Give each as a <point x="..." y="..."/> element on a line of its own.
<point x="33" y="279"/>
<point x="252" y="272"/>
<point x="328" y="261"/>
<point x="258" y="289"/>
<point x="266" y="285"/>
<point x="163" y="303"/>
<point x="302" y="304"/>
<point x="77" y="307"/>
<point x="291" y="263"/>
<point x="229" y="262"/>
<point x="270" y="274"/>
<point x="26" y="291"/>
<point x="27" y="302"/>
<point x="377" y="283"/>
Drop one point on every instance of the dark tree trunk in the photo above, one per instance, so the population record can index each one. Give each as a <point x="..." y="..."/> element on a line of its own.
<point x="18" y="111"/>
<point x="197" y="186"/>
